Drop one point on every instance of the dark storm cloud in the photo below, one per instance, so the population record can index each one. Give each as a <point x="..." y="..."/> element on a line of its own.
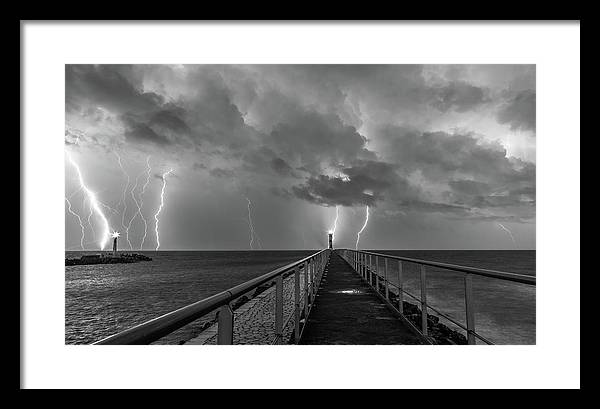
<point x="365" y="183"/>
<point x="479" y="175"/>
<point x="221" y="173"/>
<point x="435" y="207"/>
<point x="315" y="140"/>
<point x="331" y="191"/>
<point x="107" y="85"/>
<point x="469" y="187"/>
<point x="208" y="115"/>
<point x="139" y="132"/>
<point x="438" y="153"/>
<point x="169" y="119"/>
<point x="282" y="167"/>
<point x="458" y="95"/>
<point x="211" y="113"/>
<point x="519" y="112"/>
<point x="395" y="137"/>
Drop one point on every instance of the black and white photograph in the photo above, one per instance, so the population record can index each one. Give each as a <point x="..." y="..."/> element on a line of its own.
<point x="300" y="207"/>
<point x="397" y="197"/>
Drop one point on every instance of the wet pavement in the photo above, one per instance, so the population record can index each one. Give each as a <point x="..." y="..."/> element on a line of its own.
<point x="348" y="311"/>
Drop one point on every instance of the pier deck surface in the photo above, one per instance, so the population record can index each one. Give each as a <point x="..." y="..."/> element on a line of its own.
<point x="348" y="311"/>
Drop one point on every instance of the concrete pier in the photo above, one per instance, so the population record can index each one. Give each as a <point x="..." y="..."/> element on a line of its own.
<point x="348" y="311"/>
<point x="325" y="299"/>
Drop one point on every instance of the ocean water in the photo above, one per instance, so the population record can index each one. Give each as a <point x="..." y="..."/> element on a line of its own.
<point x="504" y="311"/>
<point x="101" y="300"/>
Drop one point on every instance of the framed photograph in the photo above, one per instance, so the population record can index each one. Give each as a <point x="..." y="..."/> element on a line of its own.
<point x="261" y="195"/>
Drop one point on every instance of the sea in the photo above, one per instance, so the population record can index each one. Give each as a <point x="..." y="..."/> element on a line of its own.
<point x="101" y="300"/>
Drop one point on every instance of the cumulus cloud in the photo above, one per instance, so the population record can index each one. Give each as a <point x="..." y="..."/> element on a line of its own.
<point x="402" y="138"/>
<point x="519" y="112"/>
<point x="462" y="169"/>
<point x="364" y="183"/>
<point x="107" y="86"/>
<point x="458" y="95"/>
<point x="138" y="132"/>
<point x="315" y="141"/>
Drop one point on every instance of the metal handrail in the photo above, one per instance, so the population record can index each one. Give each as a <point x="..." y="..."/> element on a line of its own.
<point x="448" y="317"/>
<point x="501" y="275"/>
<point x="362" y="263"/>
<point x="158" y="327"/>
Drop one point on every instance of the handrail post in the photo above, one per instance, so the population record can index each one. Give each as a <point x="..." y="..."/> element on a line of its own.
<point x="361" y="271"/>
<point x="305" y="291"/>
<point x="320" y="262"/>
<point x="470" y="311"/>
<point x="370" y="270"/>
<point x="400" y="288"/>
<point x="373" y="271"/>
<point x="377" y="273"/>
<point x="225" y="326"/>
<point x="385" y="272"/>
<point x="364" y="266"/>
<point x="317" y="271"/>
<point x="360" y="265"/>
<point x="423" y="301"/>
<point x="297" y="304"/>
<point x="279" y="308"/>
<point x="314" y="281"/>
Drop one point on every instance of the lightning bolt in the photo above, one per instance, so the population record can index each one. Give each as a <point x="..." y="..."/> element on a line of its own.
<point x="91" y="196"/>
<point x="509" y="233"/>
<point x="139" y="209"/>
<point x="361" y="230"/>
<point x="162" y="201"/>
<point x="89" y="220"/>
<point x="80" y="222"/>
<point x="337" y="215"/>
<point x="148" y="170"/>
<point x="108" y="207"/>
<point x="75" y="192"/>
<point x="123" y="199"/>
<point x="251" y="225"/>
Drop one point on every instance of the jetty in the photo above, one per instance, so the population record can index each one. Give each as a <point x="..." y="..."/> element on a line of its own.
<point x="109" y="258"/>
<point x="340" y="296"/>
<point x="114" y="257"/>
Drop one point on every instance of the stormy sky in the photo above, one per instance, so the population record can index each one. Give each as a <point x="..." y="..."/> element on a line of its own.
<point x="443" y="156"/>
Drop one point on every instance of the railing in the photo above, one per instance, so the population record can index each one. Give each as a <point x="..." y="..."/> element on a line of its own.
<point x="367" y="265"/>
<point x="312" y="267"/>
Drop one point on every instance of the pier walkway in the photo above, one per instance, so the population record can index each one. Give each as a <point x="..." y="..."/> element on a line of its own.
<point x="331" y="297"/>
<point x="348" y="311"/>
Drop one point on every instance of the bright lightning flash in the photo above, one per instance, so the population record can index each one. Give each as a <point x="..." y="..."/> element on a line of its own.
<point x="80" y="223"/>
<point x="139" y="209"/>
<point x="124" y="199"/>
<point x="94" y="203"/>
<point x="337" y="215"/>
<point x="148" y="170"/>
<point x="509" y="233"/>
<point x="253" y="234"/>
<point x="361" y="230"/>
<point x="162" y="202"/>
